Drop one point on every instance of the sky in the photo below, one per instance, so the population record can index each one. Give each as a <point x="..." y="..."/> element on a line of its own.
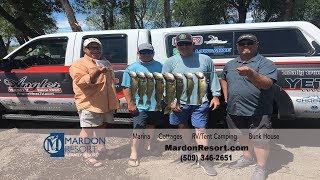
<point x="63" y="24"/>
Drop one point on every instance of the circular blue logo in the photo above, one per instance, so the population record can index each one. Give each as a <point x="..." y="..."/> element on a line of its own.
<point x="52" y="144"/>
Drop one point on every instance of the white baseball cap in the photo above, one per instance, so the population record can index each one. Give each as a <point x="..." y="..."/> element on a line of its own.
<point x="90" y="40"/>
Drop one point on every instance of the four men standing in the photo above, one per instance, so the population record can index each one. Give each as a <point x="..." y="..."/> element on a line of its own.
<point x="246" y="82"/>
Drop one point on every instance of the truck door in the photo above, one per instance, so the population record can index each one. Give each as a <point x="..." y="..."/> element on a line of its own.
<point x="36" y="78"/>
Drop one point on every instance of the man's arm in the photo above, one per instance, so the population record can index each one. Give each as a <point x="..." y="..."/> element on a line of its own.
<point x="224" y="87"/>
<point x="82" y="77"/>
<point x="95" y="73"/>
<point x="127" y="95"/>
<point x="259" y="80"/>
<point x="214" y="86"/>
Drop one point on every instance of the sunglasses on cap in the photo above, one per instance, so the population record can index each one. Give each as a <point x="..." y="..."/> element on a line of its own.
<point x="144" y="52"/>
<point x="184" y="43"/>
<point x="246" y="43"/>
<point x="91" y="48"/>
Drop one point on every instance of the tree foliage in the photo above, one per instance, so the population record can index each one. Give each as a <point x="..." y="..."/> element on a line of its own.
<point x="22" y="20"/>
<point x="25" y="19"/>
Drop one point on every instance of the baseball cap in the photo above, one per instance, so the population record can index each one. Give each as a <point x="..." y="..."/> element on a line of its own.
<point x="145" y="46"/>
<point x="247" y="37"/>
<point x="90" y="40"/>
<point x="186" y="37"/>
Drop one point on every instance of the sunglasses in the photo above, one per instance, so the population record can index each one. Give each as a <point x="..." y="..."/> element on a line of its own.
<point x="94" y="48"/>
<point x="144" y="52"/>
<point x="247" y="43"/>
<point x="184" y="43"/>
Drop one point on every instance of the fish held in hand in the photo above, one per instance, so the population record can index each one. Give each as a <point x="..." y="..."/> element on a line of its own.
<point x="159" y="89"/>
<point x="150" y="86"/>
<point x="142" y="84"/>
<point x="133" y="86"/>
<point x="202" y="86"/>
<point x="190" y="85"/>
<point x="170" y="91"/>
<point x="179" y="87"/>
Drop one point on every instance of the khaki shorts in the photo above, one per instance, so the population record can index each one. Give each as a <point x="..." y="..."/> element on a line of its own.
<point x="92" y="119"/>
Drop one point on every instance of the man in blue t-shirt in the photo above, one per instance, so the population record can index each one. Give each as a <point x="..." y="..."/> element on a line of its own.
<point x="144" y="115"/>
<point x="189" y="62"/>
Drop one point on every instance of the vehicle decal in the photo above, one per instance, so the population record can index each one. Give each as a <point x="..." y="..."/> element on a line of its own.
<point x="214" y="40"/>
<point x="214" y="50"/>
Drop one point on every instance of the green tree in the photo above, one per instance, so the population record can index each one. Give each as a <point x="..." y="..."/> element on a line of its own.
<point x="25" y="19"/>
<point x="200" y="12"/>
<point x="100" y="14"/>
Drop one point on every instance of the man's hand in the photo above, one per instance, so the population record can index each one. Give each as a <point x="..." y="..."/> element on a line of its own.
<point x="175" y="108"/>
<point x="245" y="71"/>
<point x="96" y="71"/>
<point x="215" y="103"/>
<point x="132" y="108"/>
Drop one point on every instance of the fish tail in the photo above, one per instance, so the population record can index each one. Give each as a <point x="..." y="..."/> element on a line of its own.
<point x="188" y="100"/>
<point x="167" y="110"/>
<point x="133" y="100"/>
<point x="158" y="108"/>
<point x="148" y="102"/>
<point x="178" y="103"/>
<point x="141" y="101"/>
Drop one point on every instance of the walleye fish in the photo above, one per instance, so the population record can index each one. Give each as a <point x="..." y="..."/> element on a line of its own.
<point x="190" y="85"/>
<point x="150" y="86"/>
<point x="142" y="84"/>
<point x="202" y="86"/>
<point x="159" y="89"/>
<point x="170" y="91"/>
<point x="133" y="86"/>
<point x="179" y="87"/>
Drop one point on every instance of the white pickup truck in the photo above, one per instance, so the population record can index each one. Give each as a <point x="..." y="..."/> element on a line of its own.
<point x="35" y="82"/>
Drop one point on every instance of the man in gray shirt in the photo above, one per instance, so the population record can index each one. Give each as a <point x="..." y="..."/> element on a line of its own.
<point x="246" y="82"/>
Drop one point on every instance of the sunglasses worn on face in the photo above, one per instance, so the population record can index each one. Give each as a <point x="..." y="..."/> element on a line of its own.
<point x="247" y="43"/>
<point x="184" y="43"/>
<point x="143" y="52"/>
<point x="94" y="48"/>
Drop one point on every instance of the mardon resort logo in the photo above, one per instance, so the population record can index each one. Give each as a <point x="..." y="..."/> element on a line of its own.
<point x="54" y="144"/>
<point x="57" y="145"/>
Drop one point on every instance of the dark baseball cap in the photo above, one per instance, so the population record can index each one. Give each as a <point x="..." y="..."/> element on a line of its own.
<point x="184" y="37"/>
<point x="247" y="37"/>
<point x="145" y="46"/>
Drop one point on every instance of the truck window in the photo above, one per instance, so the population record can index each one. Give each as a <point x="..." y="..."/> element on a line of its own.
<point x="42" y="52"/>
<point x="273" y="42"/>
<point x="114" y="47"/>
<point x="280" y="42"/>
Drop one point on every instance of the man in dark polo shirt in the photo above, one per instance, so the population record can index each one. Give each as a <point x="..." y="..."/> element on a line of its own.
<point x="246" y="82"/>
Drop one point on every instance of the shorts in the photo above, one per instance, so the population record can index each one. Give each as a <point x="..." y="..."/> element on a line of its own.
<point x="197" y="114"/>
<point x="92" y="119"/>
<point x="254" y="126"/>
<point x="141" y="119"/>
